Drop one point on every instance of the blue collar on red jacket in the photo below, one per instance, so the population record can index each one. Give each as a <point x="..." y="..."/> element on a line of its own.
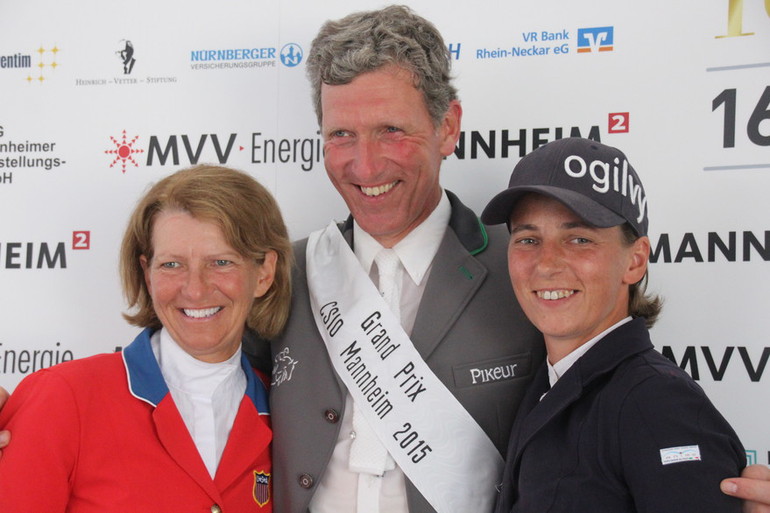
<point x="146" y="382"/>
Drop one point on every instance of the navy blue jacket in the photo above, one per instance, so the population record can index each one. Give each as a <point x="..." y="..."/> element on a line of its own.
<point x="597" y="441"/>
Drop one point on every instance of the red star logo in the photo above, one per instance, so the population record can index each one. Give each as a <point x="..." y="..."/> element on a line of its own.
<point x="123" y="151"/>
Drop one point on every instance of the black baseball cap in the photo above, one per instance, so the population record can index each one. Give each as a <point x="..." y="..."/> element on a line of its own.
<point x="592" y="179"/>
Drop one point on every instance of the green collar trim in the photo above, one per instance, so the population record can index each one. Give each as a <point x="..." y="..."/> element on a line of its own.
<point x="485" y="239"/>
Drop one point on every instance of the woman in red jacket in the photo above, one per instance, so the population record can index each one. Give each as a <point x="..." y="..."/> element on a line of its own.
<point x="178" y="421"/>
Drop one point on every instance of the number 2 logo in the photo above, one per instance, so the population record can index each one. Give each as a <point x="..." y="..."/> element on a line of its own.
<point x="618" y="122"/>
<point x="81" y="240"/>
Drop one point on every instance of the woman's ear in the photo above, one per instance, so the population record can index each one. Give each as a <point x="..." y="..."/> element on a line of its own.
<point x="266" y="273"/>
<point x="637" y="264"/>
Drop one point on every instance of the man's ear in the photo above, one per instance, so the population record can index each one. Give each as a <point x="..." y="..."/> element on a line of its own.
<point x="450" y="128"/>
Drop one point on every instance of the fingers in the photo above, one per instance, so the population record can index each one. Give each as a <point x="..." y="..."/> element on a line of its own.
<point x="5" y="436"/>
<point x="753" y="486"/>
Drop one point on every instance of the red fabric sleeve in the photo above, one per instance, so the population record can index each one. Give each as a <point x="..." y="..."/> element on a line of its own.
<point x="38" y="465"/>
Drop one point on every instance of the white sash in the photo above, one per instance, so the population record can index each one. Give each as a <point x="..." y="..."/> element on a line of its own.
<point x="434" y="440"/>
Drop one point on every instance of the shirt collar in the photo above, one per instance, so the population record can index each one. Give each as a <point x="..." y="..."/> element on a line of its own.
<point x="146" y="382"/>
<point x="416" y="250"/>
<point x="185" y="372"/>
<point x="558" y="369"/>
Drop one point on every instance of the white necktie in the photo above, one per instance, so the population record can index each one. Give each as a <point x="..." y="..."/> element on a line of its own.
<point x="367" y="454"/>
<point x="389" y="269"/>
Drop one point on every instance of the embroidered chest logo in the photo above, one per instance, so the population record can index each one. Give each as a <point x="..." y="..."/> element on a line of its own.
<point x="261" y="488"/>
<point x="283" y="367"/>
<point x="497" y="370"/>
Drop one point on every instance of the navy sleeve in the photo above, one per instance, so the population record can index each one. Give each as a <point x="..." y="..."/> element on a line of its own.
<point x="675" y="448"/>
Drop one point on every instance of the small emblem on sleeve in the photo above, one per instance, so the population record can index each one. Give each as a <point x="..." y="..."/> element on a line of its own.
<point x="261" y="488"/>
<point x="679" y="454"/>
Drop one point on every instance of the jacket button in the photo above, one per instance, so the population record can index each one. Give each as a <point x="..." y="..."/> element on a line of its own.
<point x="216" y="509"/>
<point x="331" y="416"/>
<point x="306" y="481"/>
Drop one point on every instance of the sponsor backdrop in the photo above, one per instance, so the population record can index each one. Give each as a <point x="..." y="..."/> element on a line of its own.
<point x="101" y="100"/>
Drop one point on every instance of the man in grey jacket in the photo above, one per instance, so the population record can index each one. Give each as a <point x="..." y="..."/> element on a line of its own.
<point x="389" y="115"/>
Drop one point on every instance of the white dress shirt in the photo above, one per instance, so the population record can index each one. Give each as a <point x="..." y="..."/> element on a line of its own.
<point x="207" y="395"/>
<point x="338" y="491"/>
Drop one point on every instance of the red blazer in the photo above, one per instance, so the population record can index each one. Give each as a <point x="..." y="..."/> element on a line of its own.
<point x="103" y="434"/>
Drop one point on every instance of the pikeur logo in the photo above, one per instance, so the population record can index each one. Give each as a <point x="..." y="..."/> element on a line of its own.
<point x="498" y="370"/>
<point x="493" y="373"/>
<point x="607" y="176"/>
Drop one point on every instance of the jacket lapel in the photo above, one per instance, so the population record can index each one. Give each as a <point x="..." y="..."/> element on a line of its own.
<point x="145" y="382"/>
<point x="454" y="279"/>
<point x="568" y="389"/>
<point x="248" y="440"/>
<point x="250" y="435"/>
<point x="173" y="435"/>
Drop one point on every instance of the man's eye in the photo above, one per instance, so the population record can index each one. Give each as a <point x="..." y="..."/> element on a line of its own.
<point x="169" y="265"/>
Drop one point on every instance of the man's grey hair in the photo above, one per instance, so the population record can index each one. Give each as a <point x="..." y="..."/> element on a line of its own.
<point x="366" y="41"/>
